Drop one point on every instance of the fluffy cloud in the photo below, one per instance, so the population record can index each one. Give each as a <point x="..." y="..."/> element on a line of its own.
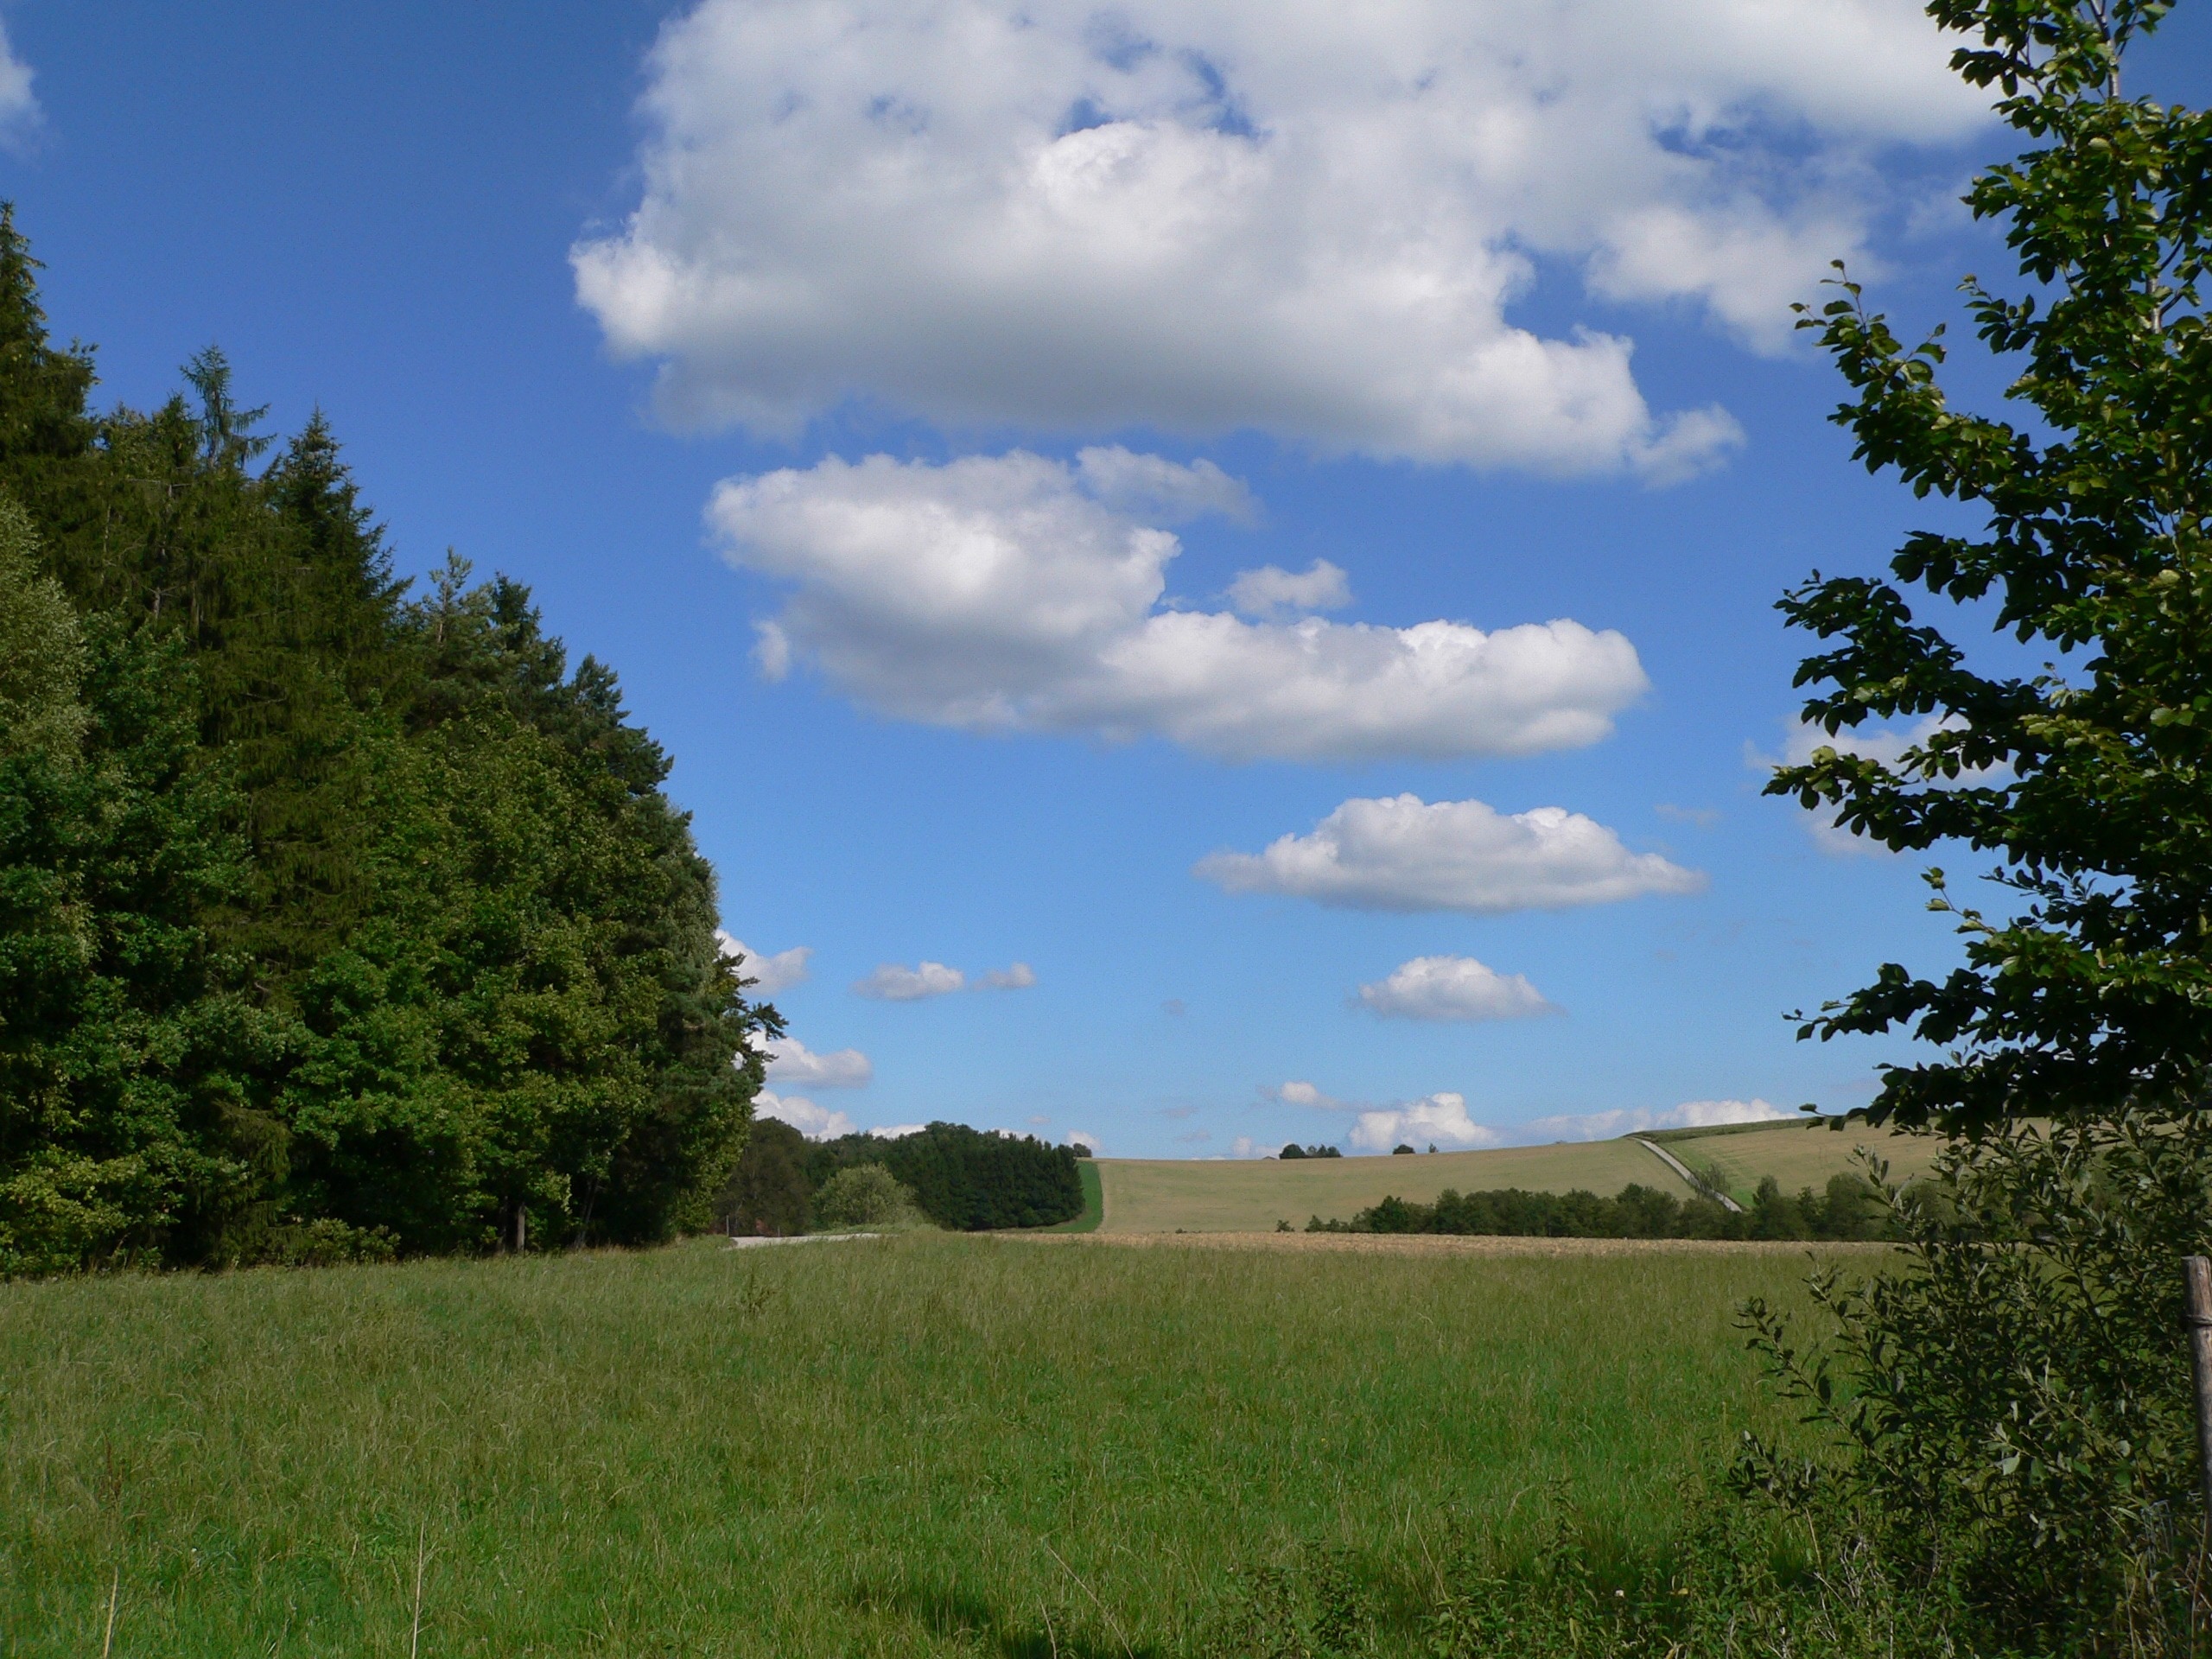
<point x="1453" y="988"/>
<point x="1007" y="593"/>
<point x="1089" y="1142"/>
<point x="1441" y="1119"/>
<point x="815" y="1122"/>
<point x="1272" y="592"/>
<point x="897" y="1131"/>
<point x="792" y="1063"/>
<point x="773" y="973"/>
<point x="892" y="983"/>
<point x="1405" y="854"/>
<point x="1214" y="215"/>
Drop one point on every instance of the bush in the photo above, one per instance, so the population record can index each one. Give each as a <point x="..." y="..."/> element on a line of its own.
<point x="2010" y="1415"/>
<point x="865" y="1195"/>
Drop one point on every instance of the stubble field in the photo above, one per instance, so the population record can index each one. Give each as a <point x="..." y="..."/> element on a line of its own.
<point x="926" y="1444"/>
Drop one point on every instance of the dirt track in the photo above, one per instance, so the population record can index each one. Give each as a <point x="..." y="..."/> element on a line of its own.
<point x="1431" y="1243"/>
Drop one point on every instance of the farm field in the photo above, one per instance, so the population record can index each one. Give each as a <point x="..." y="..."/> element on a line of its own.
<point x="1796" y="1157"/>
<point x="1147" y="1195"/>
<point x="928" y="1445"/>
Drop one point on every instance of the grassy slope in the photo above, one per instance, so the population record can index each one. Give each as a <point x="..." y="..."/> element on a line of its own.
<point x="1146" y="1195"/>
<point x="1797" y="1157"/>
<point x="855" y="1448"/>
<point x="1251" y="1195"/>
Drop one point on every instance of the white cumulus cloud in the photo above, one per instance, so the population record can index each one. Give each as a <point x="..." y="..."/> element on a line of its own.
<point x="1453" y="988"/>
<point x="1207" y="215"/>
<point x="892" y="983"/>
<point x="1089" y="1142"/>
<point x="1003" y="593"/>
<point x="1441" y="1118"/>
<point x="815" y="1122"/>
<point x="1018" y="976"/>
<point x="1406" y="854"/>
<point x="792" y="1063"/>
<point x="773" y="973"/>
<point x="897" y="1131"/>
<point x="1272" y="592"/>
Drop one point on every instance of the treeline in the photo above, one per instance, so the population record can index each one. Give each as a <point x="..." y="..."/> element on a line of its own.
<point x="1849" y="1208"/>
<point x="964" y="1180"/>
<point x="335" y="920"/>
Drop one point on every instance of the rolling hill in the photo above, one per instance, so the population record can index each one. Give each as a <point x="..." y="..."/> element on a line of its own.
<point x="1161" y="1195"/>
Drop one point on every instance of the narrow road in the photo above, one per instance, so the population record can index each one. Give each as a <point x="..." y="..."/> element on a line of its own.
<point x="1682" y="1170"/>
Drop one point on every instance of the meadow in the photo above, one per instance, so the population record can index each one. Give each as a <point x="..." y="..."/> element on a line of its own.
<point x="1160" y="1195"/>
<point x="926" y="1444"/>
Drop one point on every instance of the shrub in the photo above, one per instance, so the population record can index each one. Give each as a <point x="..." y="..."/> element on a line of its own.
<point x="2010" y="1414"/>
<point x="865" y="1195"/>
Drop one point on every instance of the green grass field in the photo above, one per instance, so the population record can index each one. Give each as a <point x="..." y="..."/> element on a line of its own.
<point x="928" y="1445"/>
<point x="1149" y="1195"/>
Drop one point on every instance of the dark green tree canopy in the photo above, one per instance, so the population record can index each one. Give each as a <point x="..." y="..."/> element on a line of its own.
<point x="2091" y="989"/>
<point x="329" y="921"/>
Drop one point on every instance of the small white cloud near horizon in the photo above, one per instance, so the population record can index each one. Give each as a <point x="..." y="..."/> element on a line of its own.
<point x="792" y="1063"/>
<point x="1089" y="1142"/>
<point x="770" y="974"/>
<point x="1017" y="976"/>
<point x="1208" y="217"/>
<point x="1608" y="1126"/>
<point x="815" y="1122"/>
<point x="1441" y="1117"/>
<point x="1007" y="593"/>
<point x="1455" y="988"/>
<point x="1271" y="592"/>
<point x="1404" y="854"/>
<point x="896" y="1131"/>
<point x="891" y="983"/>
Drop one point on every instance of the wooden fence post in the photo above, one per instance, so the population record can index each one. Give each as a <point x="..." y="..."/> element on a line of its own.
<point x="2198" y="1270"/>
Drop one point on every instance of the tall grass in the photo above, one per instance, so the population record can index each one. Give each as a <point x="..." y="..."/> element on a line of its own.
<point x="923" y="1445"/>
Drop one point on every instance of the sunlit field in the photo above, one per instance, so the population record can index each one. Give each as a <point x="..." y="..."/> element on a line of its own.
<point x="927" y="1445"/>
<point x="1146" y="1195"/>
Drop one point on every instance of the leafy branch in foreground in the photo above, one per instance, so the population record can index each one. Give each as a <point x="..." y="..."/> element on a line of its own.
<point x="2087" y="778"/>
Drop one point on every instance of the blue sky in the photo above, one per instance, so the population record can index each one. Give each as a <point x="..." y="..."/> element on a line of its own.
<point x="622" y="298"/>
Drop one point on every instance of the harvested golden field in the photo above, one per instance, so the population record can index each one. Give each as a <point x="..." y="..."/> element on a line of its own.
<point x="1797" y="1156"/>
<point x="1220" y="1196"/>
<point x="1148" y="1195"/>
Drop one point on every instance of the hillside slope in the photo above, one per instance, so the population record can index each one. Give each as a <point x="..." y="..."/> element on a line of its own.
<point x="1160" y="1195"/>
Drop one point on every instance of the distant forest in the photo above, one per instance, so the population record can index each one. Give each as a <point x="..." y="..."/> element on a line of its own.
<point x="964" y="1180"/>
<point x="1850" y="1207"/>
<point x="337" y="919"/>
